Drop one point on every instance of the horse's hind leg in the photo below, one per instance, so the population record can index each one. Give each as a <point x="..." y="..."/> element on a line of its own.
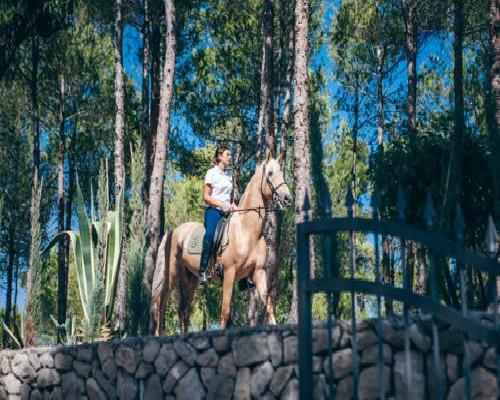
<point x="187" y="284"/>
<point x="164" y="280"/>
<point x="260" y="280"/>
<point x="162" y="284"/>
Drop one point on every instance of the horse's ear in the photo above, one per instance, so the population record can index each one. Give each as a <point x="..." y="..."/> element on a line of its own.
<point x="269" y="155"/>
<point x="280" y="158"/>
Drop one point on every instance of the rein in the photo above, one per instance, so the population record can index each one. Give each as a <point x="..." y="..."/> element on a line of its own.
<point x="256" y="208"/>
<point x="274" y="192"/>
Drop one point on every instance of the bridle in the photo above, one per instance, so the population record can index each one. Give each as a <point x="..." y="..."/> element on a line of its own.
<point x="274" y="189"/>
<point x="274" y="193"/>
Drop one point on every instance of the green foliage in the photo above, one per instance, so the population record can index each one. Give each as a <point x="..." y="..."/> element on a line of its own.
<point x="183" y="200"/>
<point x="183" y="203"/>
<point x="136" y="244"/>
<point x="47" y="295"/>
<point x="337" y="167"/>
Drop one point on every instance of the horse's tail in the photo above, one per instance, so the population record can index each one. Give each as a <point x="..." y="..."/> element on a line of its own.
<point x="160" y="286"/>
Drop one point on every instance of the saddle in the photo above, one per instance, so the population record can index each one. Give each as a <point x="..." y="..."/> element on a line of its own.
<point x="221" y="241"/>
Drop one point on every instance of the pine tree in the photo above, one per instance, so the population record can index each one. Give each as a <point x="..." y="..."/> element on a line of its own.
<point x="157" y="174"/>
<point x="302" y="162"/>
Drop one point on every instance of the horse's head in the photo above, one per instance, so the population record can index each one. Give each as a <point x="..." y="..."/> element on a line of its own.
<point x="273" y="183"/>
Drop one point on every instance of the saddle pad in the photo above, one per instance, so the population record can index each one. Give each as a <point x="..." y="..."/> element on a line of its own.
<point x="195" y="241"/>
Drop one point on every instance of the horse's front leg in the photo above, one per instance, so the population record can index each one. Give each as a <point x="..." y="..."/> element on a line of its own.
<point x="227" y="294"/>
<point x="260" y="280"/>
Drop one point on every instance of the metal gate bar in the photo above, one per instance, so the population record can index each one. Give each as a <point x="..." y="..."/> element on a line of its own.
<point x="330" y="284"/>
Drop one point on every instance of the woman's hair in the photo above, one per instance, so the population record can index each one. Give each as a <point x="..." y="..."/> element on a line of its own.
<point x="218" y="153"/>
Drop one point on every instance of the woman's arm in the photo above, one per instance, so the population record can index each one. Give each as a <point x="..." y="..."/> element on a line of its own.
<point x="207" y="197"/>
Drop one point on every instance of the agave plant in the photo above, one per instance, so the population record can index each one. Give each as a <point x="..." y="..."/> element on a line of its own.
<point x="96" y="251"/>
<point x="67" y="329"/>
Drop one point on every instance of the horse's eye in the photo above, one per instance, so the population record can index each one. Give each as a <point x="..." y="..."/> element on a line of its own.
<point x="270" y="173"/>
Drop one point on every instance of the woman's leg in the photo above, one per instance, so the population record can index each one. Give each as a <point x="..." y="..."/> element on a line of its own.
<point x="212" y="217"/>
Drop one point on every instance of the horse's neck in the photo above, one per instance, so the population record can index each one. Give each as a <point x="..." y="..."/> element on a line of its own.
<point x="252" y="198"/>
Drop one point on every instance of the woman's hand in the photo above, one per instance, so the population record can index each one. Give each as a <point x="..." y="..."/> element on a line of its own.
<point x="227" y="208"/>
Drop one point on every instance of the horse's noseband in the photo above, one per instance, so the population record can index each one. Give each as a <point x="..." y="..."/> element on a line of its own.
<point x="274" y="190"/>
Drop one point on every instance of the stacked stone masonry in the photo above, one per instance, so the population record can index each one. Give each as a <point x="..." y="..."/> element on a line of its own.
<point x="246" y="363"/>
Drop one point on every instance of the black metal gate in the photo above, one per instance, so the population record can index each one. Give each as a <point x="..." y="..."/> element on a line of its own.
<point x="331" y="282"/>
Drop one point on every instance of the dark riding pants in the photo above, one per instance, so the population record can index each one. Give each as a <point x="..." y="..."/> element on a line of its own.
<point x="212" y="218"/>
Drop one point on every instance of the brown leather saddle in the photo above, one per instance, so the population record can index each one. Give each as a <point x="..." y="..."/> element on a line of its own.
<point x="221" y="241"/>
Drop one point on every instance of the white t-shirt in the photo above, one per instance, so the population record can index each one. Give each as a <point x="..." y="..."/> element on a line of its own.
<point x="221" y="182"/>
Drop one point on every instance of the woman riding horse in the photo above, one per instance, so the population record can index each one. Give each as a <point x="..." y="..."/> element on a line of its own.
<point x="217" y="195"/>
<point x="243" y="256"/>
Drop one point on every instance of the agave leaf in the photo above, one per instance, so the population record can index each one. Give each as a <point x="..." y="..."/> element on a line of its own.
<point x="54" y="321"/>
<point x="54" y="241"/>
<point x="87" y="244"/>
<point x="98" y="228"/>
<point x="92" y="212"/>
<point x="115" y="219"/>
<point x="84" y="290"/>
<point x="12" y="335"/>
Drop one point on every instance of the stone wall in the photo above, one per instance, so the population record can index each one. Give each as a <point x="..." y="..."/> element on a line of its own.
<point x="243" y="363"/>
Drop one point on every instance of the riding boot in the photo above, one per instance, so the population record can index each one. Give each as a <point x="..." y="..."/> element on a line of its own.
<point x="204" y="260"/>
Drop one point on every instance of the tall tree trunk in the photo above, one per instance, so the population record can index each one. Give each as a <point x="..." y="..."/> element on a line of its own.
<point x="155" y="96"/>
<point x="16" y="287"/>
<point x="380" y="98"/>
<point x="266" y="112"/>
<point x="267" y="109"/>
<point x="352" y="236"/>
<point x="119" y="99"/>
<point x="30" y="329"/>
<point x="8" y="294"/>
<point x="71" y="185"/>
<point x="355" y="130"/>
<point x="411" y="55"/>
<point x="494" y="125"/>
<point x="121" y="290"/>
<point x="146" y="68"/>
<point x="235" y="196"/>
<point x="454" y="171"/>
<point x="274" y="253"/>
<point x="285" y="120"/>
<point x="62" y="272"/>
<point x="71" y="175"/>
<point x="35" y="57"/>
<point x="32" y="302"/>
<point x="411" y="261"/>
<point x="157" y="176"/>
<point x="302" y="161"/>
<point x="380" y="154"/>
<point x="269" y="74"/>
<point x="262" y="108"/>
<point x="386" y="271"/>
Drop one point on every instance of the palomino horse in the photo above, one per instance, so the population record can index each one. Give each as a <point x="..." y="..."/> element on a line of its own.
<point x="244" y="256"/>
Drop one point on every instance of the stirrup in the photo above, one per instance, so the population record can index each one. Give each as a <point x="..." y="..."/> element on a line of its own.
<point x="203" y="277"/>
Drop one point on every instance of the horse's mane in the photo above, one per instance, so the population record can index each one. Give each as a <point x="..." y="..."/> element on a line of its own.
<point x="259" y="170"/>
